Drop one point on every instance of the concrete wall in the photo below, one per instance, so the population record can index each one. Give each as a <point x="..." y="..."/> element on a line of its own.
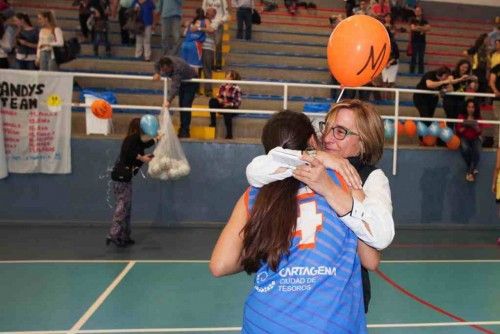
<point x="429" y="189"/>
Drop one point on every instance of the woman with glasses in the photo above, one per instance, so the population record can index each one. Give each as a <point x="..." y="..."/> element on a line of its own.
<point x="352" y="141"/>
<point x="304" y="257"/>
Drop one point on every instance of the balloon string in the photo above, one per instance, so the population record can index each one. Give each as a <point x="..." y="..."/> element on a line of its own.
<point x="340" y="95"/>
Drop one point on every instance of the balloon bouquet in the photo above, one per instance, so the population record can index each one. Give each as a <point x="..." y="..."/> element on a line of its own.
<point x="429" y="134"/>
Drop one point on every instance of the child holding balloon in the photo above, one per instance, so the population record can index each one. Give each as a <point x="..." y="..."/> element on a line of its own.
<point x="131" y="159"/>
<point x="470" y="137"/>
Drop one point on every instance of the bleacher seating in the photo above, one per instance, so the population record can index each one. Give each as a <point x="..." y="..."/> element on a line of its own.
<point x="284" y="48"/>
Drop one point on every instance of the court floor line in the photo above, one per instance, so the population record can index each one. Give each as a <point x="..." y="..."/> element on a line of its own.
<point x="206" y="261"/>
<point x="237" y="329"/>
<point x="428" y="304"/>
<point x="86" y="316"/>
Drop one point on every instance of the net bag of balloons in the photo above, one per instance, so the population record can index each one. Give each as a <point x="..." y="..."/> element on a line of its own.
<point x="169" y="162"/>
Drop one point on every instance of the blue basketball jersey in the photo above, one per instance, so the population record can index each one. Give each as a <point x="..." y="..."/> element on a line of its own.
<point x="317" y="287"/>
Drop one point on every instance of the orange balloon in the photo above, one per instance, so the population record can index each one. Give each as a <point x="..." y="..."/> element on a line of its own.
<point x="410" y="128"/>
<point x="454" y="143"/>
<point x="401" y="129"/>
<point x="101" y="109"/>
<point x="429" y="140"/>
<point x="358" y="50"/>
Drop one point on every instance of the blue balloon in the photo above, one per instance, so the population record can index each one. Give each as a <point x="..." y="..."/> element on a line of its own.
<point x="434" y="129"/>
<point x="388" y="128"/>
<point x="446" y="134"/>
<point x="149" y="125"/>
<point x="422" y="129"/>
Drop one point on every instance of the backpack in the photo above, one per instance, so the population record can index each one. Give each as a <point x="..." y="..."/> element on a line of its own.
<point x="68" y="51"/>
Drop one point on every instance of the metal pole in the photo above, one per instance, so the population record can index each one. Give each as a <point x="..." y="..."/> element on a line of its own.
<point x="395" y="143"/>
<point x="285" y="96"/>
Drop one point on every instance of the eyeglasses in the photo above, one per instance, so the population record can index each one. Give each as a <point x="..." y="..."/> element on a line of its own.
<point x="339" y="132"/>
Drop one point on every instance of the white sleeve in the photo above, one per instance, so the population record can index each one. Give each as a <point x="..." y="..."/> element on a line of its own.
<point x="7" y="41"/>
<point x="375" y="211"/>
<point x="262" y="169"/>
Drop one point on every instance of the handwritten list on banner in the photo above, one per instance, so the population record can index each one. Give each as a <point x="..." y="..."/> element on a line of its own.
<point x="36" y="113"/>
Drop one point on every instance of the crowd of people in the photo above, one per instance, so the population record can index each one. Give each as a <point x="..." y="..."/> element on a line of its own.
<point x="201" y="48"/>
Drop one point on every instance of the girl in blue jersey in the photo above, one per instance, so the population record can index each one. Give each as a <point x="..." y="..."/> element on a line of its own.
<point x="306" y="261"/>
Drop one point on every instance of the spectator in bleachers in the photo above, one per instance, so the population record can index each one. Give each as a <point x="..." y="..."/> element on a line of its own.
<point x="291" y="6"/>
<point x="83" y="16"/>
<point x="244" y="10"/>
<point x="6" y="9"/>
<point x="480" y="61"/>
<point x="191" y="48"/>
<point x="208" y="52"/>
<point x="494" y="35"/>
<point x="27" y="41"/>
<point x="363" y="8"/>
<point x="390" y="72"/>
<point x="100" y="10"/>
<point x="380" y="9"/>
<point x="50" y="36"/>
<point x="349" y="7"/>
<point x="170" y="13"/>
<point x="229" y="97"/>
<point x="494" y="83"/>
<point x="389" y="25"/>
<point x="221" y="17"/>
<point x="178" y="70"/>
<point x="432" y="80"/>
<point x="126" y="38"/>
<point x="453" y="104"/>
<point x="145" y="9"/>
<point x="269" y="5"/>
<point x="7" y="39"/>
<point x="495" y="55"/>
<point x="419" y="29"/>
<point x="402" y="9"/>
<point x="470" y="137"/>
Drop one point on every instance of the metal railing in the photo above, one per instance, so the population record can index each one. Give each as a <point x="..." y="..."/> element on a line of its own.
<point x="397" y="91"/>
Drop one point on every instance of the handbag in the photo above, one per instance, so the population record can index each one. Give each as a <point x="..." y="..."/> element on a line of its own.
<point x="134" y="22"/>
<point x="67" y="52"/>
<point x="256" y="17"/>
<point x="122" y="173"/>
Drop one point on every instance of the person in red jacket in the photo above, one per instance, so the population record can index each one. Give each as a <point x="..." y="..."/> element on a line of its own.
<point x="470" y="137"/>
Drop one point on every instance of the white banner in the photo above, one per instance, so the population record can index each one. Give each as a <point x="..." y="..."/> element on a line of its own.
<point x="36" y="114"/>
<point x="3" y="161"/>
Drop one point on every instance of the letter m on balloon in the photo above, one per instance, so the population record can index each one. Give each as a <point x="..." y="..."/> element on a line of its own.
<point x="373" y="63"/>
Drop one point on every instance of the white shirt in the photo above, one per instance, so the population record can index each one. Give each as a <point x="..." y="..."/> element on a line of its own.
<point x="222" y="15"/>
<point x="375" y="210"/>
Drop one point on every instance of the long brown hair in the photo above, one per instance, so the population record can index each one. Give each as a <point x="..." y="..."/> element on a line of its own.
<point x="268" y="232"/>
<point x="369" y="125"/>
<point x="50" y="17"/>
<point x="134" y="126"/>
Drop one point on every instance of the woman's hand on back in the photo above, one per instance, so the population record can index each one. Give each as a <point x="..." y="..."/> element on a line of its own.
<point x="314" y="175"/>
<point x="341" y="166"/>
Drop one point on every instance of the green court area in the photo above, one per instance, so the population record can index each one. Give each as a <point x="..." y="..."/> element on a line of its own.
<point x="181" y="297"/>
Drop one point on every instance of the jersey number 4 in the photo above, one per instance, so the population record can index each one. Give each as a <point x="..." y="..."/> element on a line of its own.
<point x="308" y="223"/>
